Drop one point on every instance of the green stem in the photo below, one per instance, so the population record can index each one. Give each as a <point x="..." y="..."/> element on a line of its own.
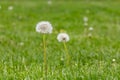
<point x="45" y="58"/>
<point x="67" y="54"/>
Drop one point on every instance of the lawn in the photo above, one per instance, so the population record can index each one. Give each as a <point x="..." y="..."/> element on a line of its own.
<point x="94" y="55"/>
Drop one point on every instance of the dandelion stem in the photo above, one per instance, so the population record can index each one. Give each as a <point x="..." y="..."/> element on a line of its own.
<point x="45" y="58"/>
<point x="67" y="54"/>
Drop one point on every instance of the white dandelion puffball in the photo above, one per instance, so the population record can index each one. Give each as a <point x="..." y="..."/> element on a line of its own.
<point x="85" y="19"/>
<point x="113" y="60"/>
<point x="63" y="37"/>
<point x="44" y="27"/>
<point x="10" y="8"/>
<point x="91" y="28"/>
<point x="49" y="2"/>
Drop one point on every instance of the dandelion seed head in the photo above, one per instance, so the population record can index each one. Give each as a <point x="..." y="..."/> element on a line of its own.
<point x="85" y="19"/>
<point x="113" y="60"/>
<point x="49" y="2"/>
<point x="63" y="37"/>
<point x="44" y="27"/>
<point x="21" y="43"/>
<point x="91" y="28"/>
<point x="10" y="8"/>
<point x="62" y="59"/>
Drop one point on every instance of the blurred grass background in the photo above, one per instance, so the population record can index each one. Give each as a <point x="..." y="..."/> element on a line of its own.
<point x="21" y="49"/>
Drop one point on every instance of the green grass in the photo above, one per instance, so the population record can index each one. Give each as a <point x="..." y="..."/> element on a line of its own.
<point x="91" y="58"/>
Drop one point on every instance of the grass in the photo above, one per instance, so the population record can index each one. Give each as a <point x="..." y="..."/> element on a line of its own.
<point x="21" y="48"/>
